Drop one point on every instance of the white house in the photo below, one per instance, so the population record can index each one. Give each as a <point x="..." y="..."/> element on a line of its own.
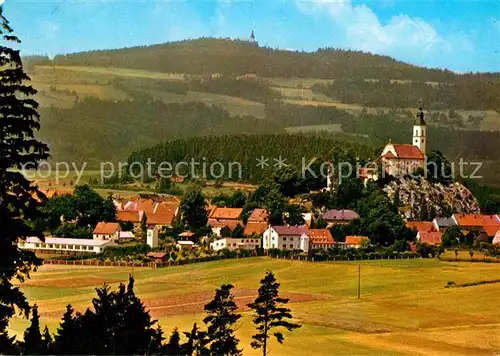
<point x="152" y="236"/>
<point x="60" y="245"/>
<point x="107" y="231"/>
<point x="235" y="244"/>
<point x="286" y="238"/>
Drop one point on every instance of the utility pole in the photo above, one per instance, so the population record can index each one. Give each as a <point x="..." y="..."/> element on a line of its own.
<point x="359" y="281"/>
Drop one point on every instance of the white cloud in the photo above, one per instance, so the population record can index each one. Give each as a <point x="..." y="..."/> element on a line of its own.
<point x="358" y="27"/>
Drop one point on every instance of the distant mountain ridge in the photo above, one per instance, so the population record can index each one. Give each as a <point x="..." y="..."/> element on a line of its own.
<point x="237" y="57"/>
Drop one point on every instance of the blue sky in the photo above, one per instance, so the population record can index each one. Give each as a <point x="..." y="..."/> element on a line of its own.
<point x="459" y="35"/>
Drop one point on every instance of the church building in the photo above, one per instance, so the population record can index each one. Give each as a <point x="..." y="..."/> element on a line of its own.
<point x="401" y="159"/>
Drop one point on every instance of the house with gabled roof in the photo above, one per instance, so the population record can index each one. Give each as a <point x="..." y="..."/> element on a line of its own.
<point x="107" y="231"/>
<point x="320" y="239"/>
<point x="430" y="237"/>
<point x="354" y="241"/>
<point x="285" y="237"/>
<point x="220" y="218"/>
<point x="420" y="225"/>
<point x="442" y="224"/>
<point x="258" y="215"/>
<point x="339" y="217"/>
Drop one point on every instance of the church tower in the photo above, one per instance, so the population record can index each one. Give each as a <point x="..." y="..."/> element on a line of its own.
<point x="420" y="131"/>
<point x="252" y="38"/>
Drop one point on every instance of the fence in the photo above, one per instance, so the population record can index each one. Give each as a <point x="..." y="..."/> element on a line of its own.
<point x="153" y="264"/>
<point x="339" y="258"/>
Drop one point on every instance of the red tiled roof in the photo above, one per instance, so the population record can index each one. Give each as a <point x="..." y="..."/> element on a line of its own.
<point x="290" y="230"/>
<point x="106" y="228"/>
<point x="389" y="154"/>
<point x="255" y="228"/>
<point x="430" y="237"/>
<point x="164" y="214"/>
<point x="469" y="220"/>
<point x="420" y="225"/>
<point x="224" y="222"/>
<point x="258" y="215"/>
<point x="226" y="213"/>
<point x="491" y="230"/>
<point x="355" y="240"/>
<point x="492" y="220"/>
<point x="157" y="255"/>
<point x="186" y="234"/>
<point x="408" y="151"/>
<point x="321" y="236"/>
<point x="126" y="215"/>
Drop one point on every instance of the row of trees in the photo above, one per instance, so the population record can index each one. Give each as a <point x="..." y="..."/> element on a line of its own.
<point x="119" y="324"/>
<point x="467" y="94"/>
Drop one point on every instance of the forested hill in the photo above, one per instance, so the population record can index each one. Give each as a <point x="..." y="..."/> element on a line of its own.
<point x="235" y="57"/>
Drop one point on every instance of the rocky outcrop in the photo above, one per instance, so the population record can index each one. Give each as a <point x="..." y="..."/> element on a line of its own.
<point x="420" y="199"/>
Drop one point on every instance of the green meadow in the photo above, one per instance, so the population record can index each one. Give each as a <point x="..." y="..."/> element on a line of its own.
<point x="404" y="308"/>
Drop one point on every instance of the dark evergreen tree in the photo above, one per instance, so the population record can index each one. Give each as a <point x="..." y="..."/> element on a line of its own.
<point x="163" y="185"/>
<point x="67" y="340"/>
<point x="196" y="343"/>
<point x="19" y="121"/>
<point x="269" y="314"/>
<point x="173" y="347"/>
<point x="222" y="317"/>
<point x="33" y="343"/>
<point x="193" y="209"/>
<point x="294" y="215"/>
<point x="46" y="342"/>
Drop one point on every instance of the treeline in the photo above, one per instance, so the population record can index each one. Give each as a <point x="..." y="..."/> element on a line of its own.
<point x="102" y="130"/>
<point x="472" y="93"/>
<point x="302" y="115"/>
<point x="248" y="149"/>
<point x="228" y="57"/>
<point x="119" y="324"/>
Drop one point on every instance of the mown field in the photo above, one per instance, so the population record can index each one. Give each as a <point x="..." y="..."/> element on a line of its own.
<point x="404" y="308"/>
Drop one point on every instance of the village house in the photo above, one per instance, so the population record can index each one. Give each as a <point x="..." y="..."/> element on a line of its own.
<point x="320" y="239"/>
<point x="339" y="217"/>
<point x="185" y="245"/>
<point x="258" y="215"/>
<point x="354" y="242"/>
<point x="255" y="228"/>
<point x="401" y="159"/>
<point x="133" y="216"/>
<point x="430" y="237"/>
<point x="157" y="256"/>
<point x="468" y="222"/>
<point x="256" y="223"/>
<point x="420" y="225"/>
<point x="286" y="238"/>
<point x="235" y="244"/>
<point x="220" y="218"/>
<point x="107" y="231"/>
<point x="442" y="224"/>
<point x="65" y="246"/>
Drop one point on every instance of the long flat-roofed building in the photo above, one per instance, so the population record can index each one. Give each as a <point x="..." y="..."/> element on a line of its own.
<point x="65" y="246"/>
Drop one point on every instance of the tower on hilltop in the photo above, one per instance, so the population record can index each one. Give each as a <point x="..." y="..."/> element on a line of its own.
<point x="252" y="38"/>
<point x="420" y="130"/>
